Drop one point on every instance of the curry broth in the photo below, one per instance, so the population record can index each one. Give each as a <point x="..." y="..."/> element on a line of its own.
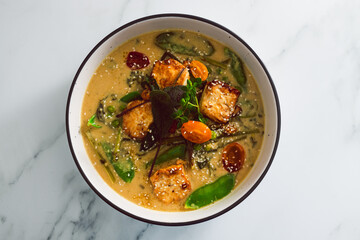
<point x="111" y="77"/>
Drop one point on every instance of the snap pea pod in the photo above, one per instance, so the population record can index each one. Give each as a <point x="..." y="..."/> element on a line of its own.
<point x="131" y="96"/>
<point x="236" y="68"/>
<point x="166" y="41"/>
<point x="106" y="166"/>
<point x="210" y="193"/>
<point x="107" y="150"/>
<point x="124" y="167"/>
<point x="175" y="152"/>
<point x="121" y="162"/>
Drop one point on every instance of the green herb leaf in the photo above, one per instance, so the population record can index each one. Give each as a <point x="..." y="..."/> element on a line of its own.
<point x="236" y="68"/>
<point x="91" y="122"/>
<point x="189" y="104"/>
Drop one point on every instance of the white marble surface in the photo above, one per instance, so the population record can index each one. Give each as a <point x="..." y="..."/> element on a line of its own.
<point x="312" y="51"/>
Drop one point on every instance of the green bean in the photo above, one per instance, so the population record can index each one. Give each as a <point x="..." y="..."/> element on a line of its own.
<point x="106" y="166"/>
<point x="214" y="62"/>
<point x="210" y="193"/>
<point x="131" y="96"/>
<point x="175" y="152"/>
<point x="237" y="69"/>
<point x="210" y="147"/>
<point x="214" y="144"/>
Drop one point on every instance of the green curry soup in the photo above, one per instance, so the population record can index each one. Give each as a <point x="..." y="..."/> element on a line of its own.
<point x="172" y="120"/>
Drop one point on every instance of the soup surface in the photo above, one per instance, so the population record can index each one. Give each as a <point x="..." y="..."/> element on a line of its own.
<point x="172" y="120"/>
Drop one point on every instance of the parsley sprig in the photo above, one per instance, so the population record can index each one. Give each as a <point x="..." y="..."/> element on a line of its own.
<point x="189" y="103"/>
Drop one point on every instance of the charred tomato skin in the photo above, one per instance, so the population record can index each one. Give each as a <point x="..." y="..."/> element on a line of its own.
<point x="233" y="157"/>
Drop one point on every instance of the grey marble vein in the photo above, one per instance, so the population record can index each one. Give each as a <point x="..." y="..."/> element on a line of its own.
<point x="28" y="163"/>
<point x="142" y="232"/>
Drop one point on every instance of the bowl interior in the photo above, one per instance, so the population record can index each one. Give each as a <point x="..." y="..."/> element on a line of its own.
<point x="214" y="31"/>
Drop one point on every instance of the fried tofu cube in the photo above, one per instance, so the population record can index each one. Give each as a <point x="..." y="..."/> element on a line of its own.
<point x="136" y="122"/>
<point x="218" y="101"/>
<point x="170" y="73"/>
<point x="171" y="184"/>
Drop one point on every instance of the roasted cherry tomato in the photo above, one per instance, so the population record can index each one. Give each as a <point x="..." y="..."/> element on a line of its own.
<point x="137" y="60"/>
<point x="196" y="132"/>
<point x="233" y="157"/>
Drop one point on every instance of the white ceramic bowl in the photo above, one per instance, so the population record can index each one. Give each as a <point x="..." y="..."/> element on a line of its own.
<point x="208" y="28"/>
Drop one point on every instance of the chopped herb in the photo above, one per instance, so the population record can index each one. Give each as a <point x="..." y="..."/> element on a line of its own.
<point x="189" y="103"/>
<point x="91" y="122"/>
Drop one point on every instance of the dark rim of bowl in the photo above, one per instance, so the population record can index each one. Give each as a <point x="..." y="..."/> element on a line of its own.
<point x="201" y="20"/>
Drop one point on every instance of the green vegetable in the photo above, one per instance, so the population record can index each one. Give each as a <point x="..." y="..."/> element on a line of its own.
<point x="174" y="42"/>
<point x="115" y="123"/>
<point x="131" y="96"/>
<point x="107" y="150"/>
<point x="211" y="192"/>
<point x="100" y="112"/>
<point x="121" y="162"/>
<point x="122" y="107"/>
<point x="201" y="163"/>
<point x="236" y="68"/>
<point x="249" y="109"/>
<point x="91" y="122"/>
<point x="106" y="166"/>
<point x="107" y="109"/>
<point x="216" y="143"/>
<point x="214" y="146"/>
<point x="175" y="152"/>
<point x="111" y="109"/>
<point x="213" y="134"/>
<point x="125" y="169"/>
<point x="189" y="103"/>
<point x="136" y="77"/>
<point x="215" y="63"/>
<point x="239" y="133"/>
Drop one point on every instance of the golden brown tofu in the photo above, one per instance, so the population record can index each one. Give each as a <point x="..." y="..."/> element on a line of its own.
<point x="218" y="101"/>
<point x="136" y="122"/>
<point x="171" y="184"/>
<point x="170" y="73"/>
